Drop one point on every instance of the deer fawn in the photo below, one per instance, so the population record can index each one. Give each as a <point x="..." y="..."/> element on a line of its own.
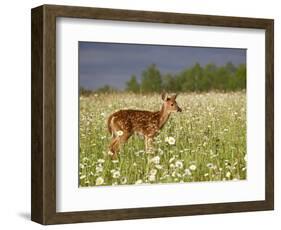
<point x="123" y="123"/>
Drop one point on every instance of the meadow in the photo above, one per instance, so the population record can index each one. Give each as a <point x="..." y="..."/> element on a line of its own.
<point x="206" y="142"/>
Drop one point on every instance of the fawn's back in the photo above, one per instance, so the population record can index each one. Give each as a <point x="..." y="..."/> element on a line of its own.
<point x="134" y="121"/>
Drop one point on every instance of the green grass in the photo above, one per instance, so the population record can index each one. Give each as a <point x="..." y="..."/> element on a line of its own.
<point x="210" y="140"/>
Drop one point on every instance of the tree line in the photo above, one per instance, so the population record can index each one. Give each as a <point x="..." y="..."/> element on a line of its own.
<point x="194" y="79"/>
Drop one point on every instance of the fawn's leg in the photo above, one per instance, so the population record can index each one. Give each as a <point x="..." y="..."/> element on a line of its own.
<point x="111" y="145"/>
<point x="119" y="141"/>
<point x="145" y="143"/>
<point x="149" y="144"/>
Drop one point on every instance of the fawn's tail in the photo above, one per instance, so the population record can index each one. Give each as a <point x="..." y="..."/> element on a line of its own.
<point x="109" y="124"/>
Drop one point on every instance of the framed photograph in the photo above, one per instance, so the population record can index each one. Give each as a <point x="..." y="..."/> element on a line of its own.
<point x="140" y="114"/>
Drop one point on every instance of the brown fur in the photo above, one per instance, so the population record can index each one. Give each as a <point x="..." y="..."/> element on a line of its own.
<point x="142" y="122"/>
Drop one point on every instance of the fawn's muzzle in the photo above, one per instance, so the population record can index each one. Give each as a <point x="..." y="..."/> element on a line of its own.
<point x="179" y="109"/>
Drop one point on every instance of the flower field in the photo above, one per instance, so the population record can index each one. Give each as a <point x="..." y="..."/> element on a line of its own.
<point x="206" y="142"/>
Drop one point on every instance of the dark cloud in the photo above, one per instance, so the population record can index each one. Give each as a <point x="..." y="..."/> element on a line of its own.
<point x="114" y="63"/>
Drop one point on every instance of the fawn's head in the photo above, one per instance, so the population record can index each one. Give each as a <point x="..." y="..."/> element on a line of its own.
<point x="170" y="103"/>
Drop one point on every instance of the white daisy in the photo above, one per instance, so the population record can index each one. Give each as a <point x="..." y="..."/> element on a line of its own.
<point x="160" y="151"/>
<point x="172" y="166"/>
<point x="100" y="161"/>
<point x="187" y="172"/>
<point x="192" y="167"/>
<point x="123" y="180"/>
<point x="138" y="182"/>
<point x="155" y="160"/>
<point x="85" y="159"/>
<point x="110" y="153"/>
<point x="99" y="181"/>
<point x="116" y="174"/>
<point x="151" y="178"/>
<point x="178" y="164"/>
<point x="171" y="141"/>
<point x="228" y="174"/>
<point x="153" y="171"/>
<point x="119" y="133"/>
<point x="99" y="168"/>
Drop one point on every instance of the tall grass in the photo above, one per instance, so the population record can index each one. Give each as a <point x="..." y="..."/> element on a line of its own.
<point x="206" y="142"/>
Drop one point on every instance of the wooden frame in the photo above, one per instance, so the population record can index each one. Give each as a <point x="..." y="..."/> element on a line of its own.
<point x="43" y="188"/>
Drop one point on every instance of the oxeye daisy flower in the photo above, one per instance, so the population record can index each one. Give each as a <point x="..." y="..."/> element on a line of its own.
<point x="99" y="181"/>
<point x="110" y="153"/>
<point x="138" y="182"/>
<point x="116" y="174"/>
<point x="192" y="167"/>
<point x="228" y="174"/>
<point x="178" y="164"/>
<point x="151" y="178"/>
<point x="100" y="161"/>
<point x="99" y="168"/>
<point x="119" y="133"/>
<point x="171" y="141"/>
<point x="153" y="171"/>
<point x="155" y="160"/>
<point x="187" y="172"/>
<point x="123" y="180"/>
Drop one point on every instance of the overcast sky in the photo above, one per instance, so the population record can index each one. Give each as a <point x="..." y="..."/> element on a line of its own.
<point x="114" y="63"/>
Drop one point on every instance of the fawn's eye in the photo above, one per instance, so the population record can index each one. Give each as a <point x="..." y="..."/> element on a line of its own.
<point x="172" y="104"/>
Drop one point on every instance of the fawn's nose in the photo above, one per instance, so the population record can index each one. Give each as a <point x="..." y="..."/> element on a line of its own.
<point x="179" y="109"/>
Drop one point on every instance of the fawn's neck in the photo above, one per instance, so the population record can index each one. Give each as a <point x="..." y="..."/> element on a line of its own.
<point x="163" y="116"/>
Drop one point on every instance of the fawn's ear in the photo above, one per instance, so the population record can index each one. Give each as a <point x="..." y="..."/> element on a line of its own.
<point x="164" y="96"/>
<point x="174" y="97"/>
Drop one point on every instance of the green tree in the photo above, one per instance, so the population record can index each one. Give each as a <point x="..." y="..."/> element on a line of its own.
<point x="221" y="78"/>
<point x="210" y="75"/>
<point x="187" y="81"/>
<point x="230" y="67"/>
<point x="192" y="78"/>
<point x="197" y="74"/>
<point x="240" y="75"/>
<point x="85" y="92"/>
<point x="132" y="85"/>
<point x="106" y="89"/>
<point x="170" y="83"/>
<point x="151" y="80"/>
